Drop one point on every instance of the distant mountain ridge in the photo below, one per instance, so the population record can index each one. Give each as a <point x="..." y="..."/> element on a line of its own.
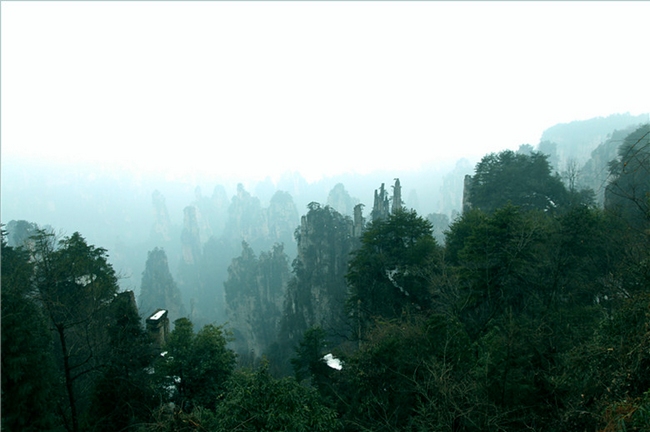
<point x="577" y="139"/>
<point x="584" y="148"/>
<point x="122" y="212"/>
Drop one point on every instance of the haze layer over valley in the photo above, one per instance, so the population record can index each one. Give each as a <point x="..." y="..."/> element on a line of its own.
<point x="131" y="214"/>
<point x="353" y="298"/>
<point x="325" y="216"/>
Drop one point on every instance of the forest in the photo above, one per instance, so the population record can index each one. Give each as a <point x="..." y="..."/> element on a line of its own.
<point x="527" y="310"/>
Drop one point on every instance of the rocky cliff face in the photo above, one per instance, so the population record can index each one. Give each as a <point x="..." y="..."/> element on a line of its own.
<point x="341" y="201"/>
<point x="245" y="219"/>
<point x="158" y="289"/>
<point x="161" y="229"/>
<point x="317" y="291"/>
<point x="452" y="189"/>
<point x="190" y="237"/>
<point x="467" y="193"/>
<point x="595" y="172"/>
<point x="204" y="266"/>
<point x="576" y="140"/>
<point x="260" y="227"/>
<point x="190" y="277"/>
<point x="211" y="212"/>
<point x="383" y="204"/>
<point x="254" y="295"/>
<point x="281" y="218"/>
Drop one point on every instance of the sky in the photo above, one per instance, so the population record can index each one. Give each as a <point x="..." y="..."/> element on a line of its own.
<point x="254" y="89"/>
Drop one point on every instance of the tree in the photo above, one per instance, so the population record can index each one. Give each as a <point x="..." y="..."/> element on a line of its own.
<point x="308" y="362"/>
<point x="496" y="264"/>
<point x="498" y="258"/>
<point x="409" y="375"/>
<point x="390" y="271"/>
<point x="532" y="287"/>
<point x="258" y="402"/>
<point x="519" y="179"/>
<point x="124" y="394"/>
<point x="197" y="365"/>
<point x="609" y="372"/>
<point x="28" y="372"/>
<point x="75" y="285"/>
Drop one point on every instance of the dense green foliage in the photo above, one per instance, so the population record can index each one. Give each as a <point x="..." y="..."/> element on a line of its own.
<point x="28" y="370"/>
<point x="533" y="315"/>
<point x="195" y="366"/>
<point x="75" y="285"/>
<point x="74" y="351"/>
<point x="390" y="271"/>
<point x="258" y="402"/>
<point x="519" y="179"/>
<point x="124" y="395"/>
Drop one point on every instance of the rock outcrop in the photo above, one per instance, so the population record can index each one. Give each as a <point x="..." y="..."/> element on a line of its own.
<point x="158" y="289"/>
<point x="317" y="291"/>
<point x="341" y="201"/>
<point x="382" y="206"/>
<point x="204" y="266"/>
<point x="161" y="229"/>
<point x="254" y="296"/>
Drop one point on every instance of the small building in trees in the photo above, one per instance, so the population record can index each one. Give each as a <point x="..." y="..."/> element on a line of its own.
<point x="158" y="326"/>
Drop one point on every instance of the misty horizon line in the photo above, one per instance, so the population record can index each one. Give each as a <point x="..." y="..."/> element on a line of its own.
<point x="100" y="171"/>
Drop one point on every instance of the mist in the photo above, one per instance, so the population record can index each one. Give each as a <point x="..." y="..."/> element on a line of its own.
<point x="114" y="209"/>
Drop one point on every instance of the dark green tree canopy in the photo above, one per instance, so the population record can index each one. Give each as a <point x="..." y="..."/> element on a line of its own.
<point x="76" y="285"/>
<point x="524" y="180"/>
<point x="308" y="361"/>
<point x="123" y="396"/>
<point x="74" y="278"/>
<point x="196" y="365"/>
<point x="258" y="402"/>
<point x="28" y="372"/>
<point x="389" y="271"/>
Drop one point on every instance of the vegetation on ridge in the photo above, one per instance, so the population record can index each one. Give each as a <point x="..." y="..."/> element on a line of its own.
<point x="533" y="314"/>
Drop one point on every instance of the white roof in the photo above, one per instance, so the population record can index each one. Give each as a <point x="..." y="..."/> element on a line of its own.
<point x="157" y="315"/>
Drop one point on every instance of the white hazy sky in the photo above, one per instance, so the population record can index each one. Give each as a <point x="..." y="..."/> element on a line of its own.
<point x="250" y="89"/>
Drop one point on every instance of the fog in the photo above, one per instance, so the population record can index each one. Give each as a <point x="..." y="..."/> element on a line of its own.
<point x="105" y="105"/>
<point x="115" y="209"/>
<point x="347" y="215"/>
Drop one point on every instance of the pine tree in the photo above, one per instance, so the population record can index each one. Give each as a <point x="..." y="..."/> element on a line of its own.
<point x="28" y="369"/>
<point x="75" y="285"/>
